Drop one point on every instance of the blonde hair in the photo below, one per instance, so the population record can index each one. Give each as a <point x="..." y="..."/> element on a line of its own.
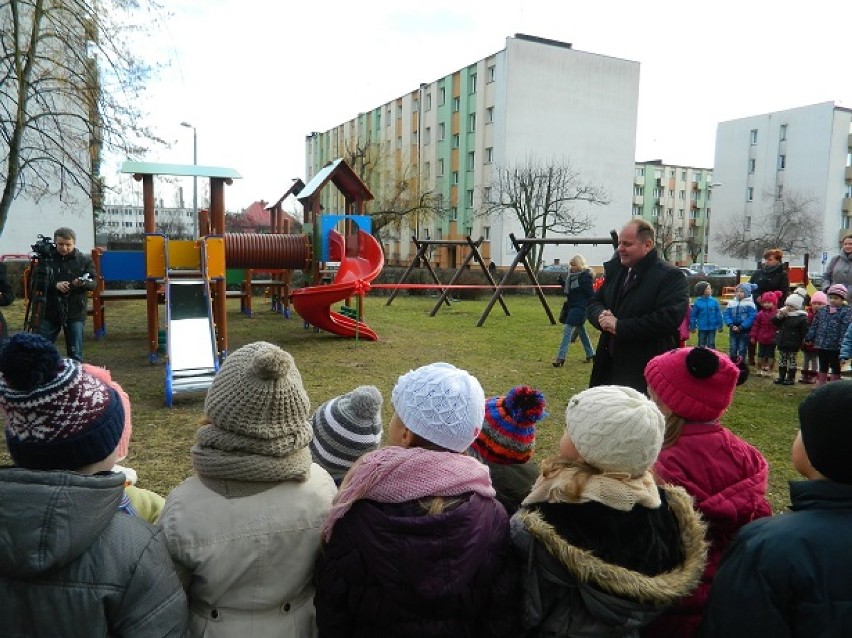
<point x="674" y="427"/>
<point x="552" y="465"/>
<point x="579" y="261"/>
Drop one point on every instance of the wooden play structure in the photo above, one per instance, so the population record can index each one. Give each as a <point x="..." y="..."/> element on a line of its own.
<point x="522" y="248"/>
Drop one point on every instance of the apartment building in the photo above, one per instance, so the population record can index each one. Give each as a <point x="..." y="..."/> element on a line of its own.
<point x="535" y="100"/>
<point x="676" y="200"/>
<point x="121" y="221"/>
<point x="804" y="153"/>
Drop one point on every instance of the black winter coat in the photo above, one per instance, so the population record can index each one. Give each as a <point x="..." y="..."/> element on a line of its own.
<point x="766" y="279"/>
<point x="62" y="308"/>
<point x="792" y="329"/>
<point x="649" y="314"/>
<point x="788" y="575"/>
<point x="392" y="570"/>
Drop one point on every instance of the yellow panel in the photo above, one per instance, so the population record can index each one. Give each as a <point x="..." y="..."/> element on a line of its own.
<point x="184" y="253"/>
<point x="155" y="256"/>
<point x="215" y="257"/>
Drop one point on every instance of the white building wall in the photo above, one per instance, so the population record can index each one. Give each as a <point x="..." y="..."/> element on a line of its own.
<point x="577" y="107"/>
<point x="815" y="148"/>
<point x="27" y="219"/>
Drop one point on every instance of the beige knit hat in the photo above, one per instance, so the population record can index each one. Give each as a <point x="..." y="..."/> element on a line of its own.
<point x="258" y="411"/>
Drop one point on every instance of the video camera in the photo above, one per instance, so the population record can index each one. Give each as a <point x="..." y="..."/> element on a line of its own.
<point x="43" y="249"/>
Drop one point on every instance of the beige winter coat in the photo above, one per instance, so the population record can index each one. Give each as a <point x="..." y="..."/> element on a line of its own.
<point x="245" y="553"/>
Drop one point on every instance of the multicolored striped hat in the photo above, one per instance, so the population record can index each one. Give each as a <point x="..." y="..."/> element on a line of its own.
<point x="508" y="431"/>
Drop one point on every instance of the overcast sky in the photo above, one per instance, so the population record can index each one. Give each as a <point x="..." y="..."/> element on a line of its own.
<point x="256" y="77"/>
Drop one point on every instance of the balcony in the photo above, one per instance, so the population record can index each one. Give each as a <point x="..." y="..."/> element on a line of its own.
<point x="849" y="173"/>
<point x="638" y="200"/>
<point x="847" y="205"/>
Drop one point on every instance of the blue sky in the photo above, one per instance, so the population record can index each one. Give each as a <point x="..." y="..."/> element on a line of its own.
<point x="256" y="77"/>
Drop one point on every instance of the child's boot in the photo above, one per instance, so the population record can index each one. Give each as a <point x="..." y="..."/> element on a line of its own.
<point x="791" y="377"/>
<point x="782" y="375"/>
<point x="807" y="377"/>
<point x="822" y="378"/>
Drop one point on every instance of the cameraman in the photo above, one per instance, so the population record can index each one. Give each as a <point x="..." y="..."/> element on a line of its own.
<point x="70" y="275"/>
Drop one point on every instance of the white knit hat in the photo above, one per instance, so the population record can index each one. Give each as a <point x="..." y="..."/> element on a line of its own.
<point x="615" y="429"/>
<point x="441" y="403"/>
<point x="794" y="301"/>
<point x="346" y="428"/>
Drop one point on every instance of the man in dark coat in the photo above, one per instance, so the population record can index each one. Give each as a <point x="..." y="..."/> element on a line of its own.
<point x="638" y="309"/>
<point x="66" y="278"/>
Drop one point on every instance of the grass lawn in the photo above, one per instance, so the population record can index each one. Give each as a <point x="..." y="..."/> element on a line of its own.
<point x="506" y="351"/>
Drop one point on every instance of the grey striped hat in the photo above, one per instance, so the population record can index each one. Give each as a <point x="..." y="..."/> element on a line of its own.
<point x="345" y="428"/>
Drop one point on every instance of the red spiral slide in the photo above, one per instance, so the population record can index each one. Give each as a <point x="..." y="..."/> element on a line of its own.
<point x="353" y="278"/>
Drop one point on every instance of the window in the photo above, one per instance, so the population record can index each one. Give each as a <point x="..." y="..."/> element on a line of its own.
<point x="456" y="140"/>
<point x="471" y="122"/>
<point x="750" y="194"/>
<point x="489" y="117"/>
<point x="492" y="72"/>
<point x="658" y="192"/>
<point x="655" y="211"/>
<point x="848" y="191"/>
<point x="427" y="135"/>
<point x="638" y="191"/>
<point x="782" y="134"/>
<point x="442" y="132"/>
<point x="752" y="164"/>
<point x="486" y="196"/>
<point x="455" y="177"/>
<point x="471" y="158"/>
<point x="681" y="194"/>
<point x="428" y="101"/>
<point x="753" y="136"/>
<point x="489" y="155"/>
<point x="748" y="223"/>
<point x="440" y="168"/>
<point x="456" y="104"/>
<point x="640" y="171"/>
<point x="671" y="192"/>
<point x="399" y="142"/>
<point x="658" y="173"/>
<point x="680" y="213"/>
<point x="683" y="176"/>
<point x="470" y="198"/>
<point x="442" y="96"/>
<point x="454" y="213"/>
<point x="779" y="191"/>
<point x="637" y="211"/>
<point x="473" y="82"/>
<point x="782" y="162"/>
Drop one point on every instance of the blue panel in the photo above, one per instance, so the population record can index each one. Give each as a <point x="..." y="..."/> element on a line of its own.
<point x="119" y="265"/>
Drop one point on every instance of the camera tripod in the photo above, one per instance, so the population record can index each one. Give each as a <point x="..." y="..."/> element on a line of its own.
<point x="40" y="277"/>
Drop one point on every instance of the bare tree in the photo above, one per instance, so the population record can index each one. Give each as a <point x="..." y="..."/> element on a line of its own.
<point x="791" y="223"/>
<point x="542" y="196"/>
<point x="398" y="194"/>
<point x="668" y="237"/>
<point x="69" y="86"/>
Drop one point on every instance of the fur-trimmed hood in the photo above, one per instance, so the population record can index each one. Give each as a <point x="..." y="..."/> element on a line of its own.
<point x="636" y="593"/>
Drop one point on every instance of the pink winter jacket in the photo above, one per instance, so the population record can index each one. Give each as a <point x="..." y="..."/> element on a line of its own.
<point x="727" y="477"/>
<point x="763" y="330"/>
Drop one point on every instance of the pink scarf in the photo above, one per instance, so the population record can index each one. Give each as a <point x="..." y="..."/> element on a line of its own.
<point x="398" y="475"/>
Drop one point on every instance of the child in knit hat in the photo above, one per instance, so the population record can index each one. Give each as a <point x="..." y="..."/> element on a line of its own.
<point x="810" y="360"/>
<point x="739" y="316"/>
<point x="244" y="530"/>
<point x="416" y="543"/>
<point x="72" y="562"/>
<point x="790" y="574"/>
<point x="507" y="441"/>
<point x="791" y="322"/>
<point x="345" y="428"/>
<point x="605" y="550"/>
<point x="705" y="315"/>
<point x="763" y="332"/>
<point x="827" y="330"/>
<point x="726" y="476"/>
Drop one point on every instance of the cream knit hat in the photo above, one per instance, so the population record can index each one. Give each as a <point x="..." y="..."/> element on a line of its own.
<point x="258" y="412"/>
<point x="615" y="429"/>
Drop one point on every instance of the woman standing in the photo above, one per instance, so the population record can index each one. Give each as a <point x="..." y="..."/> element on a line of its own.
<point x="578" y="290"/>
<point x="771" y="276"/>
<point x="839" y="270"/>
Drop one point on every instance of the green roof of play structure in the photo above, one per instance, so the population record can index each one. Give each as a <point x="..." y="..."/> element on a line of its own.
<point x="179" y="170"/>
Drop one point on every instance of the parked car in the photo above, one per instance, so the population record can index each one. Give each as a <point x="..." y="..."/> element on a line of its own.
<point x="555" y="268"/>
<point x="689" y="272"/>
<point x="704" y="269"/>
<point x="816" y="278"/>
<point x="722" y="272"/>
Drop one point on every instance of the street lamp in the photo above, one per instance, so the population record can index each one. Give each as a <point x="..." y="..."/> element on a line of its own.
<point x="194" y="178"/>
